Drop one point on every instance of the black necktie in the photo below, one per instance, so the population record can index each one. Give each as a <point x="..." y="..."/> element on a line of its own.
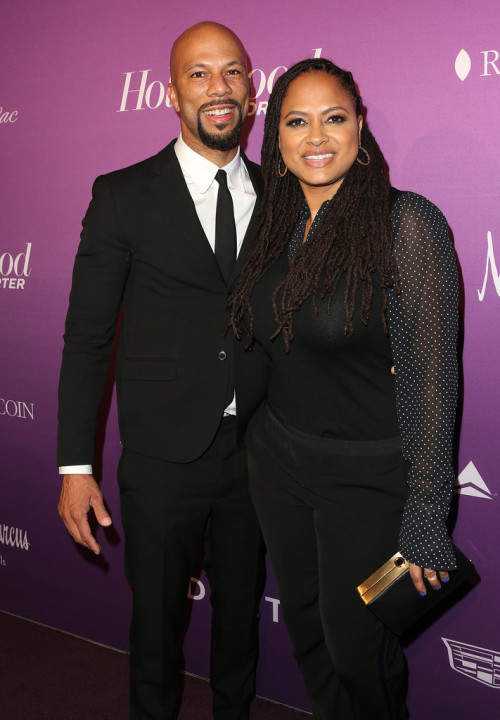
<point x="225" y="228"/>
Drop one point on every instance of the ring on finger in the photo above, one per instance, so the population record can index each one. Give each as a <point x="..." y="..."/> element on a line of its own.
<point x="430" y="574"/>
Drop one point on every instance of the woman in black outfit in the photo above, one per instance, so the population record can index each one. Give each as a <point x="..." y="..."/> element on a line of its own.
<point x="348" y="461"/>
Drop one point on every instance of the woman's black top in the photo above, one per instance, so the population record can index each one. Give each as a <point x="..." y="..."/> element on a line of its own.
<point x="341" y="387"/>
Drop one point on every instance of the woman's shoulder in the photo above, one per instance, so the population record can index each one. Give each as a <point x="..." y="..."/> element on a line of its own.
<point x="406" y="201"/>
<point x="415" y="219"/>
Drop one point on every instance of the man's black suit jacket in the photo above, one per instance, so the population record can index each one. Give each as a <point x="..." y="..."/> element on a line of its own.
<point x="143" y="249"/>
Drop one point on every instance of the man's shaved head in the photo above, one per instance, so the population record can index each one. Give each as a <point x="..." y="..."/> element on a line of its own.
<point x="210" y="89"/>
<point x="206" y="32"/>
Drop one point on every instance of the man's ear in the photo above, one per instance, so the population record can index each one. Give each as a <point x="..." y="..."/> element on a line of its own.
<point x="172" y="96"/>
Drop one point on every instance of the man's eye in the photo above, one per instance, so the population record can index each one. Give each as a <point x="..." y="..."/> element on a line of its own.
<point x="198" y="73"/>
<point x="234" y="71"/>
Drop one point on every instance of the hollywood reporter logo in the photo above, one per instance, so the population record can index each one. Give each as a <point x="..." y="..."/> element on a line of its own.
<point x="476" y="663"/>
<point x="489" y="63"/>
<point x="15" y="269"/>
<point x="140" y="92"/>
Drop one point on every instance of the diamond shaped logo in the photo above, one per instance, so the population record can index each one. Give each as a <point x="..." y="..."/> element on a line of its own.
<point x="462" y="64"/>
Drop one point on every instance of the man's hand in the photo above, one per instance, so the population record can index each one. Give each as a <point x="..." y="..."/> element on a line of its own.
<point x="79" y="493"/>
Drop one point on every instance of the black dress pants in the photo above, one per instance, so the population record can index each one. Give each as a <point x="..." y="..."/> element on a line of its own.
<point x="168" y="510"/>
<point x="330" y="512"/>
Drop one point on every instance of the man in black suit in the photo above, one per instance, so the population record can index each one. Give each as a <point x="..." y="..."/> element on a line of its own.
<point x="155" y="242"/>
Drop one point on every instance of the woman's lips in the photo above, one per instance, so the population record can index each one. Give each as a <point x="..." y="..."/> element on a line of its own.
<point x="318" y="159"/>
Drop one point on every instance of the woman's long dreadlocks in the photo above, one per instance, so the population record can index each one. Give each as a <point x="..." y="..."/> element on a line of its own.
<point x="354" y="236"/>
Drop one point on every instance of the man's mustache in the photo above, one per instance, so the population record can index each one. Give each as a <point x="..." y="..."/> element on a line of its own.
<point x="220" y="101"/>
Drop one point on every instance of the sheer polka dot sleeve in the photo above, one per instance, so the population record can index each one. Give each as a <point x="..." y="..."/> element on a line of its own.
<point x="423" y="325"/>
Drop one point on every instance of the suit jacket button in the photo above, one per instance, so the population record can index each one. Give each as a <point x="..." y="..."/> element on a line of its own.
<point x="222" y="355"/>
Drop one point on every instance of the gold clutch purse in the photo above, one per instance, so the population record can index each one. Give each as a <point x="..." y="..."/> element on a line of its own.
<point x="390" y="594"/>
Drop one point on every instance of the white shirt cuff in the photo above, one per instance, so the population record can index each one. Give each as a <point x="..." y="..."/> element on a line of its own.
<point x="75" y="470"/>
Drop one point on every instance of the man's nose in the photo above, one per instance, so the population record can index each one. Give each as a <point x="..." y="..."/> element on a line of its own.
<point x="218" y="85"/>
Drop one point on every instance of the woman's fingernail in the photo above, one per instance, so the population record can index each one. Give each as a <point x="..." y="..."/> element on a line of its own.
<point x="438" y="587"/>
<point x="422" y="594"/>
<point x="445" y="580"/>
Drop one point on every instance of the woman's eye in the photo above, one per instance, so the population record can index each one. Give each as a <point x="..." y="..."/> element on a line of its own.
<point x="295" y="122"/>
<point x="336" y="119"/>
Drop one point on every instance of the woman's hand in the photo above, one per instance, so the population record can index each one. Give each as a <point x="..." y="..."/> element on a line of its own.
<point x="433" y="577"/>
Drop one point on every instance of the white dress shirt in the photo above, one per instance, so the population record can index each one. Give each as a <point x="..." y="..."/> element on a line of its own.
<point x="199" y="174"/>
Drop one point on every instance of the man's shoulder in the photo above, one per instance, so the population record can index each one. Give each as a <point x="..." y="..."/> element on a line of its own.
<point x="255" y="173"/>
<point x="155" y="163"/>
<point x="250" y="164"/>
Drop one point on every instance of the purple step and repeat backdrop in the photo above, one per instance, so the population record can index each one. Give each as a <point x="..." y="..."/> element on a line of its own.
<point x="82" y="92"/>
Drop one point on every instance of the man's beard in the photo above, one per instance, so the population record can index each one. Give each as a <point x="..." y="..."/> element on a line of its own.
<point x="217" y="140"/>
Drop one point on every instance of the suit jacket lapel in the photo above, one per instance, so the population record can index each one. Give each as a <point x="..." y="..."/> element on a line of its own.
<point x="169" y="188"/>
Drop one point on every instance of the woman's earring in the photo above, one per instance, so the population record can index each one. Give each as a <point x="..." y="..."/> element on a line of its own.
<point x="282" y="174"/>
<point x="368" y="160"/>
